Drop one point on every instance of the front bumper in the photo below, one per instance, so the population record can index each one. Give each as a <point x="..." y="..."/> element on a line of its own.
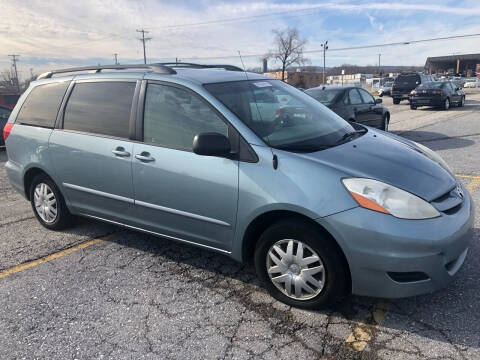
<point x="377" y="246"/>
<point x="426" y="101"/>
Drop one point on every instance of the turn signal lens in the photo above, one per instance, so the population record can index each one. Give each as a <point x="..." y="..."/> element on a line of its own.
<point x="367" y="203"/>
<point x="6" y="130"/>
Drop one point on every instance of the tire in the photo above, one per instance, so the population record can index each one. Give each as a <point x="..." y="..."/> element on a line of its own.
<point x="386" y="121"/>
<point x="462" y="102"/>
<point x="322" y="288"/>
<point x="446" y="104"/>
<point x="396" y="101"/>
<point x="413" y="107"/>
<point x="53" y="216"/>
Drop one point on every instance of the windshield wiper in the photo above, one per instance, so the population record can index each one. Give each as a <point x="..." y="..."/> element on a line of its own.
<point x="350" y="135"/>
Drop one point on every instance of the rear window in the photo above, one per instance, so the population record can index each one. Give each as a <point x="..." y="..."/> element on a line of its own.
<point x="408" y="80"/>
<point x="326" y="97"/>
<point x="42" y="104"/>
<point x="432" y="85"/>
<point x="100" y="108"/>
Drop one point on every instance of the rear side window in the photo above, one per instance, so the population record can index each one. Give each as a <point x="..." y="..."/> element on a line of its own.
<point x="42" y="104"/>
<point x="366" y="97"/>
<point x="100" y="108"/>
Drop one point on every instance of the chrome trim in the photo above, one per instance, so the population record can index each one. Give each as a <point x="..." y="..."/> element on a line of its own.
<point x="100" y="193"/>
<point x="180" y="212"/>
<point x="145" y="204"/>
<point x="157" y="234"/>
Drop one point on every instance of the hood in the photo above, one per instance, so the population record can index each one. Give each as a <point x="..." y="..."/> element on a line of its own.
<point x="391" y="159"/>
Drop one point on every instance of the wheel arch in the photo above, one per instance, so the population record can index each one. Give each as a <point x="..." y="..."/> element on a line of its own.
<point x="28" y="177"/>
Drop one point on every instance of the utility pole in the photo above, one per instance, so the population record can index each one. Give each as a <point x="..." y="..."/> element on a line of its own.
<point x="325" y="48"/>
<point x="14" y="61"/>
<point x="116" y="59"/>
<point x="379" y="56"/>
<point x="143" y="39"/>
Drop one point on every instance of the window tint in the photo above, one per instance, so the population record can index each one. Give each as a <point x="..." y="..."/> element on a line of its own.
<point x="42" y="104"/>
<point x="100" y="108"/>
<point x="408" y="80"/>
<point x="354" y="97"/>
<point x="173" y="117"/>
<point x="366" y="97"/>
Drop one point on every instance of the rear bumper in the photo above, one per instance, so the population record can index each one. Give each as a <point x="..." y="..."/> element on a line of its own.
<point x="393" y="258"/>
<point x="426" y="101"/>
<point x="400" y="95"/>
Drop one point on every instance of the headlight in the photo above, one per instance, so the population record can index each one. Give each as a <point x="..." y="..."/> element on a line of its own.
<point x="432" y="155"/>
<point x="381" y="197"/>
<point x="413" y="92"/>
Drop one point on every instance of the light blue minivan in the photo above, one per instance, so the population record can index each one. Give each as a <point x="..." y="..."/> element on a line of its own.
<point x="206" y="155"/>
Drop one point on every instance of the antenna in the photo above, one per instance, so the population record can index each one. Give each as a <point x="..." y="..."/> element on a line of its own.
<point x="243" y="65"/>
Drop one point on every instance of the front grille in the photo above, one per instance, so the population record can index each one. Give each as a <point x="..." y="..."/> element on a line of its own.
<point x="450" y="202"/>
<point x="404" y="277"/>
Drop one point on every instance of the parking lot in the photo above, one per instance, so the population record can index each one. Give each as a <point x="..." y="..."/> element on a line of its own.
<point x="97" y="291"/>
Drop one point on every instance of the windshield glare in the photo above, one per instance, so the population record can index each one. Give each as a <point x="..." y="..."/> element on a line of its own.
<point x="326" y="96"/>
<point x="289" y="120"/>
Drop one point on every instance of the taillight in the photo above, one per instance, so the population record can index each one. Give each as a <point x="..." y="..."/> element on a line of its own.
<point x="6" y="130"/>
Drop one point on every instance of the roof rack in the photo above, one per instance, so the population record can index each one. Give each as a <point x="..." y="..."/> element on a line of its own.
<point x="202" y="66"/>
<point x="158" y="68"/>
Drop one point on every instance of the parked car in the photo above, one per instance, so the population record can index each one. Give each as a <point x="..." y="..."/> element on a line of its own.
<point x="321" y="206"/>
<point x="385" y="89"/>
<point x="353" y="104"/>
<point x="472" y="83"/>
<point x="441" y="94"/>
<point x="4" y="114"/>
<point x="405" y="83"/>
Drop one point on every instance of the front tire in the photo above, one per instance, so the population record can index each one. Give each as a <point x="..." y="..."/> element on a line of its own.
<point x="386" y="121"/>
<point x="48" y="204"/>
<point x="300" y="266"/>
<point x="446" y="104"/>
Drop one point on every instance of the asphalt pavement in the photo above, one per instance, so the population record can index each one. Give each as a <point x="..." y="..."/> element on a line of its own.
<point x="97" y="291"/>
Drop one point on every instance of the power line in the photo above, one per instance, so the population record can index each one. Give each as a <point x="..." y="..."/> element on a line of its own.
<point x="347" y="48"/>
<point x="14" y="61"/>
<point x="143" y="39"/>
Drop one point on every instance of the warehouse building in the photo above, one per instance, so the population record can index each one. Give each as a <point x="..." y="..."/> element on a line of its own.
<point x="466" y="65"/>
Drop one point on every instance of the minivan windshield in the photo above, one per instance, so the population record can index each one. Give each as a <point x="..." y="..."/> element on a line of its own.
<point x="296" y="122"/>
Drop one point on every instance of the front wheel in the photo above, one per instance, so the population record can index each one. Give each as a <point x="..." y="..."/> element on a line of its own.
<point x="385" y="122"/>
<point x="300" y="266"/>
<point x="48" y="204"/>
<point x="446" y="104"/>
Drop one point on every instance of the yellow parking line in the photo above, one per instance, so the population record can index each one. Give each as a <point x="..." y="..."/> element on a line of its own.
<point x="363" y="332"/>
<point x="30" y="264"/>
<point x="468" y="176"/>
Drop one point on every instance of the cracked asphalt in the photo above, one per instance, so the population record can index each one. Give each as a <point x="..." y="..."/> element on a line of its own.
<point x="134" y="296"/>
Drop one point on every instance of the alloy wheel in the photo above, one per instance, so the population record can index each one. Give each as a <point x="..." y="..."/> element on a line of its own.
<point x="295" y="269"/>
<point x="45" y="203"/>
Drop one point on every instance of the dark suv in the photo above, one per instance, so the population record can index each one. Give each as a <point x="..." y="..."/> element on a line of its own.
<point x="405" y="83"/>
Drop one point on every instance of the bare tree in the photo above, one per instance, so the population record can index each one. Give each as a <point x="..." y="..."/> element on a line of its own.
<point x="8" y="81"/>
<point x="289" y="48"/>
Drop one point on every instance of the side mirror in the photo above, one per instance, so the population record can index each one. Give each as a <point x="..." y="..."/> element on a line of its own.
<point x="378" y="101"/>
<point x="211" y="144"/>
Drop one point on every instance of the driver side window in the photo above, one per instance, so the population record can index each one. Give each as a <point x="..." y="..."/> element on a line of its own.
<point x="366" y="97"/>
<point x="354" y="97"/>
<point x="173" y="116"/>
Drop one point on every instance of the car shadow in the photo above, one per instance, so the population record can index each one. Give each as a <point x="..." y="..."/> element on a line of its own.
<point x="436" y="141"/>
<point x="427" y="316"/>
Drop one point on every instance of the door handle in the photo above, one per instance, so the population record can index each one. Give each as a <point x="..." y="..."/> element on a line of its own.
<point x="145" y="157"/>
<point x="120" y="151"/>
